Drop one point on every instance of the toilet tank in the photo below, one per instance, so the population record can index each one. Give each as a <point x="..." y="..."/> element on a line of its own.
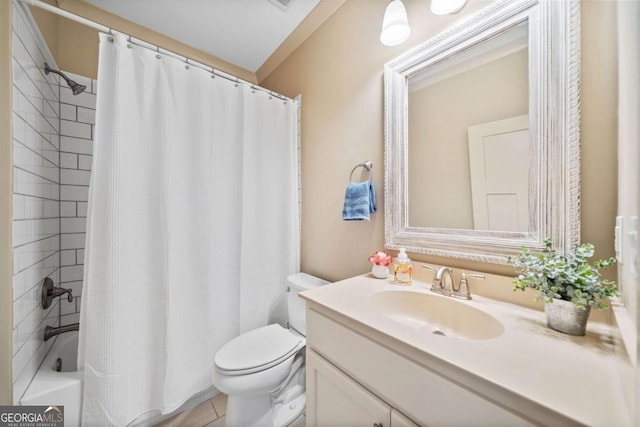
<point x="297" y="283"/>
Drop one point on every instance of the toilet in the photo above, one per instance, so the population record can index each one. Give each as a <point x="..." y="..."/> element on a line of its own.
<point x="262" y="371"/>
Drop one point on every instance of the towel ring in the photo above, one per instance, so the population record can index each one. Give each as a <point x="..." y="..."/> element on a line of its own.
<point x="368" y="165"/>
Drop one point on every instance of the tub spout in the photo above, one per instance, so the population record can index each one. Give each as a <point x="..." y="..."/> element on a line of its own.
<point x="50" y="331"/>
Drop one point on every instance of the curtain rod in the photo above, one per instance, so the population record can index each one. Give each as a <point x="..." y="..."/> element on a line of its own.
<point x="146" y="45"/>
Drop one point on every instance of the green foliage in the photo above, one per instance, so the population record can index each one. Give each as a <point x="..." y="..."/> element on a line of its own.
<point x="568" y="277"/>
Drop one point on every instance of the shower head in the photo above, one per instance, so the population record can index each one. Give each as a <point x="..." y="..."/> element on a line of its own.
<point x="75" y="87"/>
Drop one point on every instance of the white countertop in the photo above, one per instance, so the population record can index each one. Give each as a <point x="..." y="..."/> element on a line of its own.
<point x="577" y="377"/>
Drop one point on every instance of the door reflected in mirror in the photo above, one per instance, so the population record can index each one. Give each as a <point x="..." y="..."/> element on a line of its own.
<point x="468" y="138"/>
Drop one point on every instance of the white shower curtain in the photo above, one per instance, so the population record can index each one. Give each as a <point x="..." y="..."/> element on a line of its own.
<point x="192" y="228"/>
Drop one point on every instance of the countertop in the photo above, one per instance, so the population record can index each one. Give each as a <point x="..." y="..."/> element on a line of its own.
<point x="576" y="377"/>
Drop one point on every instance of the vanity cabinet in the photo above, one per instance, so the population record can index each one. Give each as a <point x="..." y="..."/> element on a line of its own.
<point x="337" y="400"/>
<point x="357" y="381"/>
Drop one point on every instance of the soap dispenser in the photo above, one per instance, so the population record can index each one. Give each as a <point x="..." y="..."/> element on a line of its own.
<point x="402" y="270"/>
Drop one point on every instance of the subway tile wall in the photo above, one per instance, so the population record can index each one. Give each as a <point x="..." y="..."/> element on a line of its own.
<point x="77" y="119"/>
<point x="36" y="196"/>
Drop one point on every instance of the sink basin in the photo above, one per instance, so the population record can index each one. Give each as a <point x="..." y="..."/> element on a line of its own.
<point x="436" y="314"/>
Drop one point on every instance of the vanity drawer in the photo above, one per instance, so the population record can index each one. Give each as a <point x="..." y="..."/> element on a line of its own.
<point x="420" y="393"/>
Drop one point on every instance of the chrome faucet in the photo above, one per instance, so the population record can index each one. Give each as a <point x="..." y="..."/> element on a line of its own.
<point x="443" y="282"/>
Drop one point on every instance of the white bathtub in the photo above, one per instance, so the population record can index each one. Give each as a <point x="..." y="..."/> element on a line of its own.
<point x="59" y="388"/>
<point x="50" y="387"/>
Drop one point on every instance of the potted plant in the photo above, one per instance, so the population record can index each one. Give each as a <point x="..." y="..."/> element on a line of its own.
<point x="569" y="285"/>
<point x="380" y="261"/>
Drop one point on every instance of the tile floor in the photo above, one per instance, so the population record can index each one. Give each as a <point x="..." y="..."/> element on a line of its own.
<point x="209" y="413"/>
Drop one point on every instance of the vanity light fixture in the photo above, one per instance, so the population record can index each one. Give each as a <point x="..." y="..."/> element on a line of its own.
<point x="395" y="25"/>
<point x="445" y="7"/>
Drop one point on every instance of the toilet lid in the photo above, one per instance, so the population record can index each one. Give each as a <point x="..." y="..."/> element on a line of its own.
<point x="257" y="350"/>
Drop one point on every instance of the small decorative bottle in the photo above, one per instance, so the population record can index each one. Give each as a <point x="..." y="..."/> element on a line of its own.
<point x="403" y="270"/>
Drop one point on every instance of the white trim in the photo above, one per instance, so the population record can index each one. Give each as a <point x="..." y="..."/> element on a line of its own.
<point x="554" y="114"/>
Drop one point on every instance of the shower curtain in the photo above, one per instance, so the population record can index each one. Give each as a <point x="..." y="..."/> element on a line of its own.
<point x="192" y="228"/>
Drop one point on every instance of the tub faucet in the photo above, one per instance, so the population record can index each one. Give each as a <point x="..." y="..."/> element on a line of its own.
<point x="50" y="331"/>
<point x="49" y="292"/>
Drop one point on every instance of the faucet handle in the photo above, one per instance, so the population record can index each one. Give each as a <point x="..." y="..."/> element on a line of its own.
<point x="463" y="288"/>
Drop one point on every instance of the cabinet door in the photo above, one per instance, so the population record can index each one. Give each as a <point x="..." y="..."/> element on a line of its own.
<point x="399" y="420"/>
<point x="334" y="399"/>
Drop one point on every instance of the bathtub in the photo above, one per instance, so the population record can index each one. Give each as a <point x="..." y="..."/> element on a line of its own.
<point x="50" y="387"/>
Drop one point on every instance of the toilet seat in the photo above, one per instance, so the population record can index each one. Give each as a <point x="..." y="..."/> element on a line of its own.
<point x="257" y="350"/>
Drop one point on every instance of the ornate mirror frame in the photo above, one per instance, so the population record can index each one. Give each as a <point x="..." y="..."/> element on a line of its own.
<point x="554" y="123"/>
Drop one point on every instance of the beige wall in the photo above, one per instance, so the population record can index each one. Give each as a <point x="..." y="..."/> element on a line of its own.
<point x="339" y="72"/>
<point x="75" y="46"/>
<point x="6" y="215"/>
<point x="439" y="118"/>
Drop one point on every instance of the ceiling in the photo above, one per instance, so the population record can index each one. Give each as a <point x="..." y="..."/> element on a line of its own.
<point x="242" y="32"/>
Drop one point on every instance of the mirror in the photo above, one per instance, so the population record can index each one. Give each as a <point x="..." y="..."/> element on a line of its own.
<point x="469" y="113"/>
<point x="482" y="135"/>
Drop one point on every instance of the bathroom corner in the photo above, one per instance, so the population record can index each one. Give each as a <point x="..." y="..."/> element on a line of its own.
<point x="6" y="294"/>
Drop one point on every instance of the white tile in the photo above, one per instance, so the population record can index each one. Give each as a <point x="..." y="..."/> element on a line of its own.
<point x="85" y="99"/>
<point x="68" y="257"/>
<point x="80" y="257"/>
<point x="68" y="112"/>
<point x="30" y="278"/>
<point x="27" y="255"/>
<point x="51" y="208"/>
<point x="73" y="225"/>
<point x="67" y="307"/>
<point x="67" y="209"/>
<point x="30" y="230"/>
<point x="70" y="318"/>
<point x="29" y="184"/>
<point x="86" y="115"/>
<point x="84" y="162"/>
<point x="33" y="162"/>
<point x="82" y="209"/>
<point x="18" y="206"/>
<point x="72" y="241"/>
<point x="33" y="207"/>
<point x="75" y="286"/>
<point x="69" y="160"/>
<point x="74" y="192"/>
<point x="94" y="86"/>
<point x="76" y="145"/>
<point x="74" y="177"/>
<point x="24" y="310"/>
<point x="71" y="273"/>
<point x="75" y="129"/>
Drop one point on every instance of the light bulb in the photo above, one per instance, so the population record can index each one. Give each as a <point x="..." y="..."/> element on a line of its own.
<point x="395" y="25"/>
<point x="445" y="7"/>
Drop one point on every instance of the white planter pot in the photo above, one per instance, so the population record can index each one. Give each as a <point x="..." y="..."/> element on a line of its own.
<point x="380" y="271"/>
<point x="563" y="316"/>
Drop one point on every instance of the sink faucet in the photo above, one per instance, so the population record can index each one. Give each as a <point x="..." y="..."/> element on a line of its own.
<point x="443" y="282"/>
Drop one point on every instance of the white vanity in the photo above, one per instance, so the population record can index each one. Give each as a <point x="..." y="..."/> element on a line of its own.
<point x="380" y="354"/>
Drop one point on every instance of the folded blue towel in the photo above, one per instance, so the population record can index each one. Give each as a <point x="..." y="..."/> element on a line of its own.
<point x="359" y="201"/>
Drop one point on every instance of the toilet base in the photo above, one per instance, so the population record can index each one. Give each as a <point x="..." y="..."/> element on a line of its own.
<point x="257" y="411"/>
<point x="287" y="413"/>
